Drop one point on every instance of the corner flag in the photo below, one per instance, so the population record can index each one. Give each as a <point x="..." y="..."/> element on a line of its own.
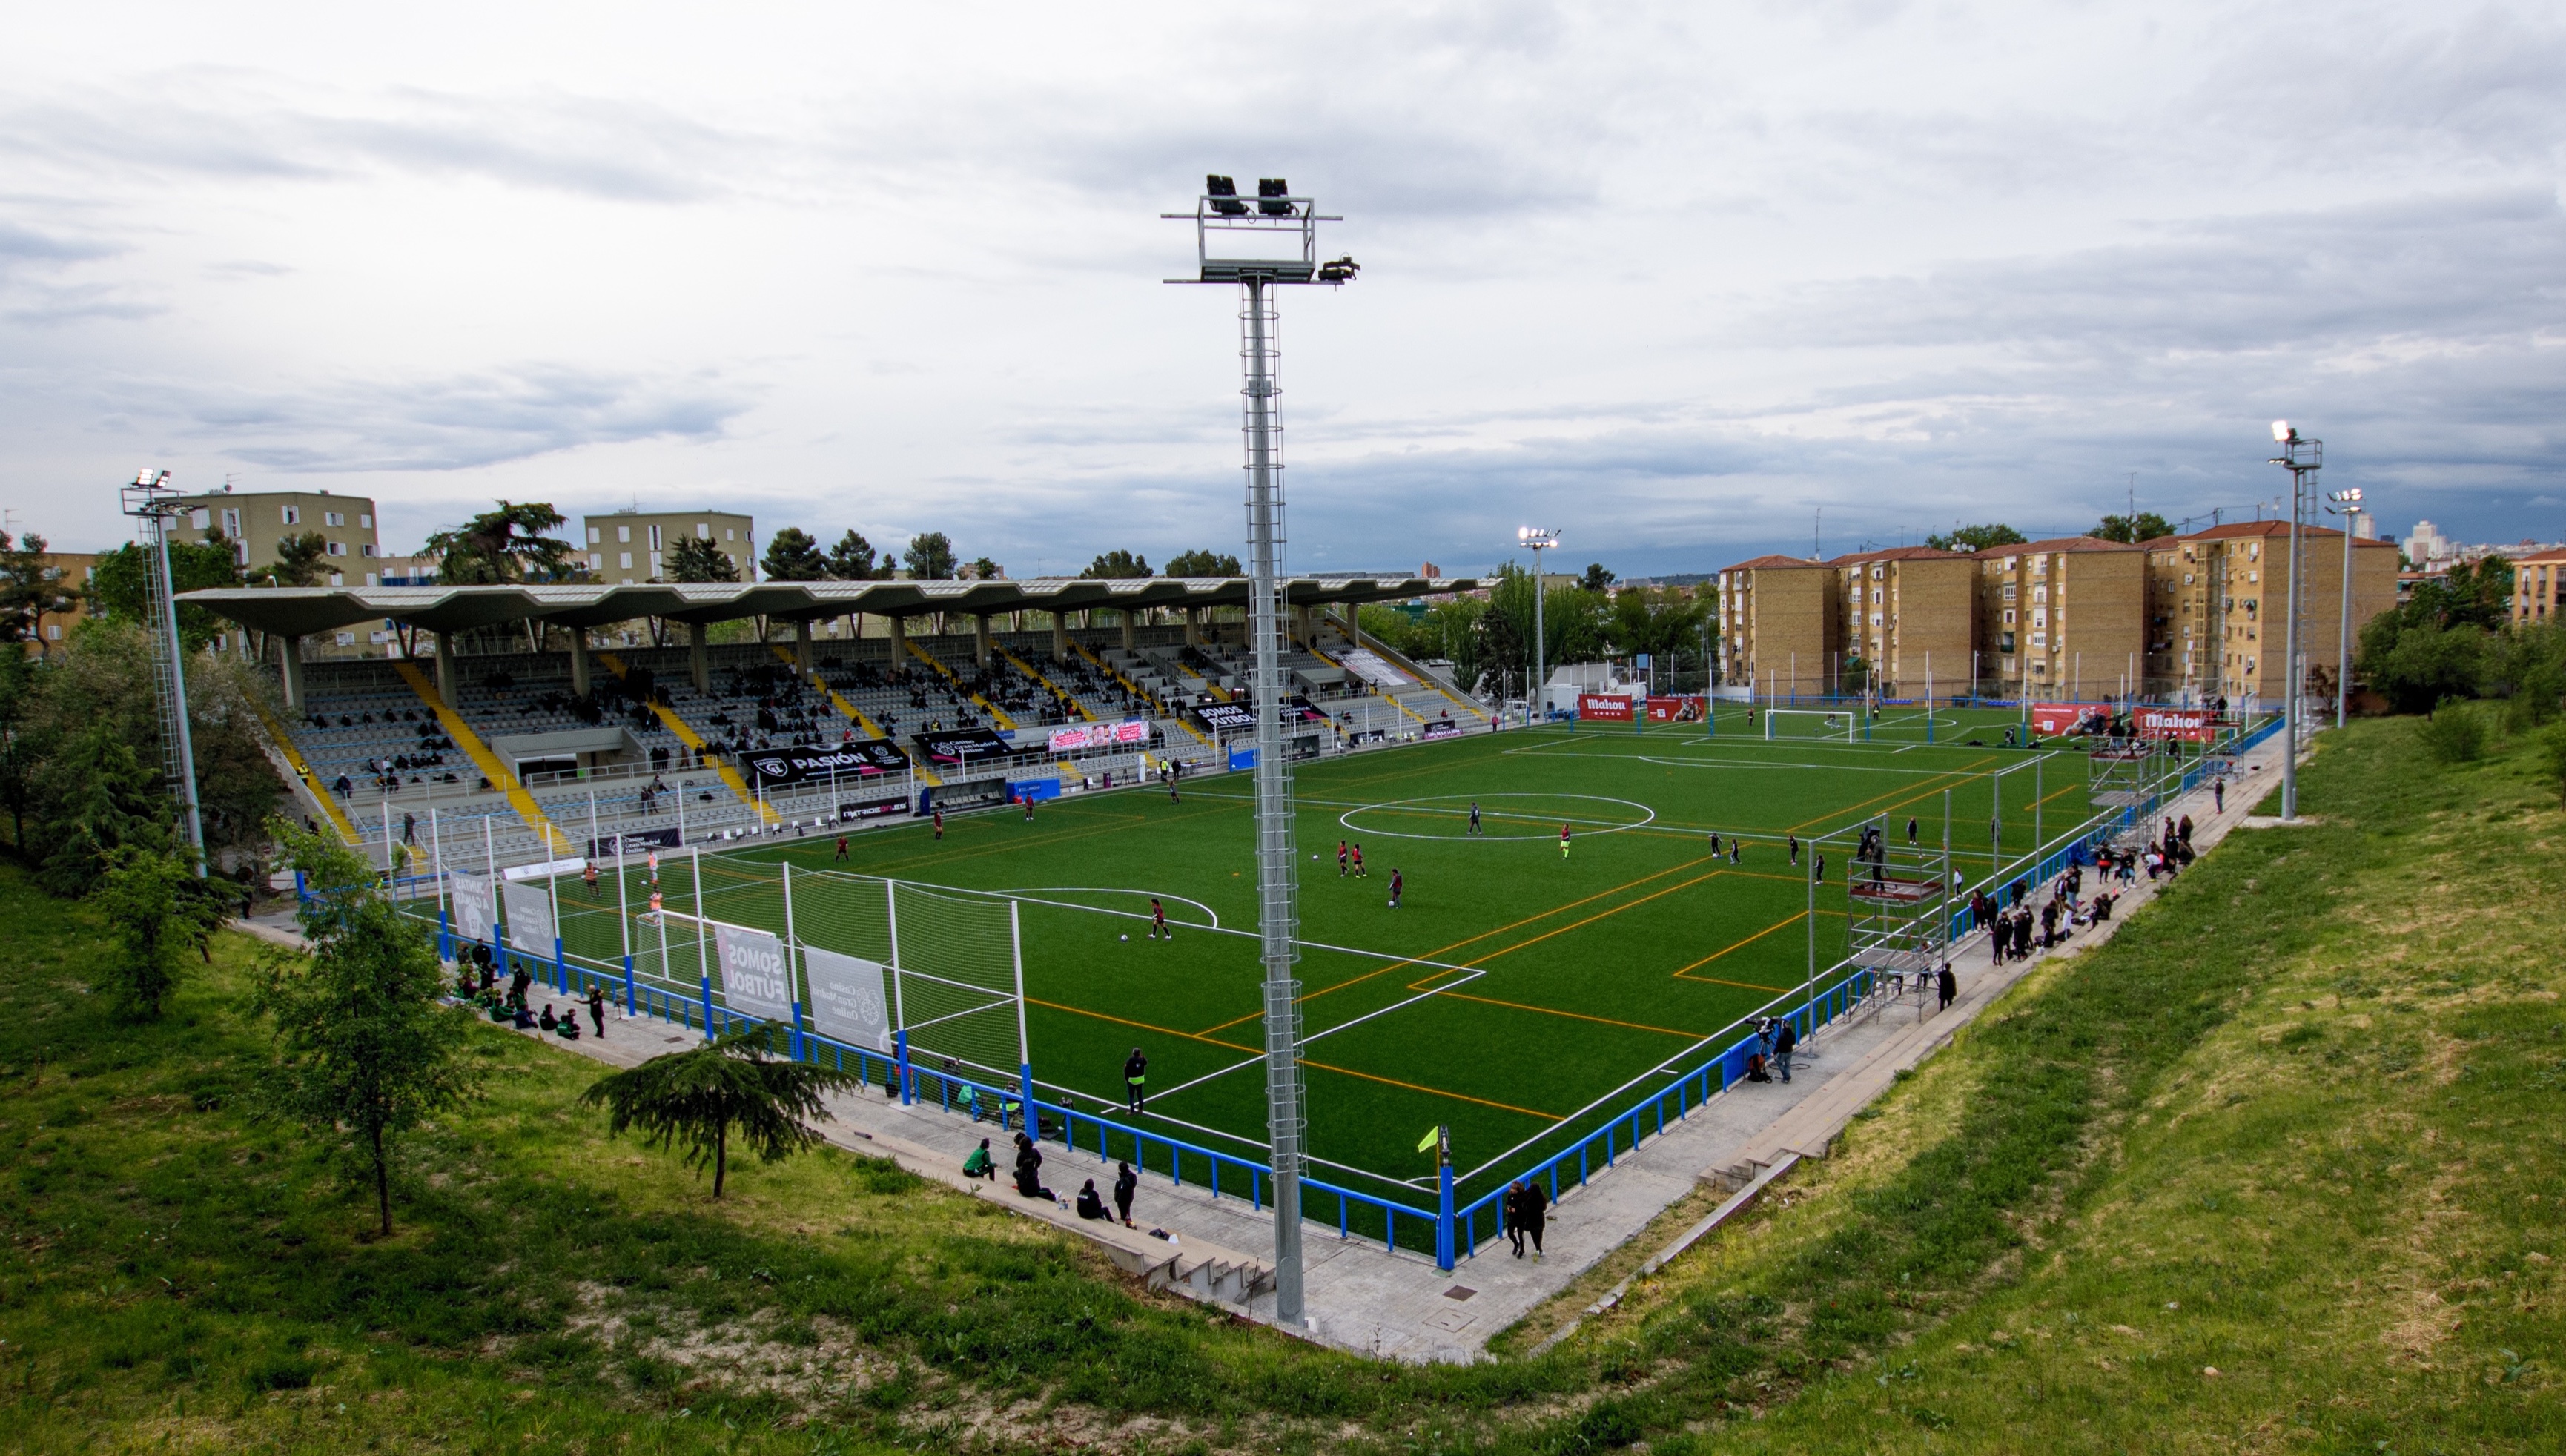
<point x="1428" y="1144"/>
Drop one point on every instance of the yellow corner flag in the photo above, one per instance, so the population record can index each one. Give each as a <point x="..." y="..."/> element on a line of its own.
<point x="1428" y="1144"/>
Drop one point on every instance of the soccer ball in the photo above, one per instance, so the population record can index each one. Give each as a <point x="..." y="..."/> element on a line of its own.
<point x="1127" y="935"/>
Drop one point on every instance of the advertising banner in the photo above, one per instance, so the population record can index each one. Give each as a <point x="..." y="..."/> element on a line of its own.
<point x="1684" y="708"/>
<point x="1368" y="735"/>
<point x="1131" y="731"/>
<point x="772" y="768"/>
<point x="873" y="809"/>
<point x="1226" y="717"/>
<point x="530" y="916"/>
<point x="2054" y="718"/>
<point x="973" y="794"/>
<point x="1374" y="669"/>
<point x="472" y="911"/>
<point x="963" y="745"/>
<point x="1443" y="728"/>
<point x="2192" y="725"/>
<point x="754" y="980"/>
<point x="847" y="999"/>
<point x="632" y="841"/>
<point x="1596" y="707"/>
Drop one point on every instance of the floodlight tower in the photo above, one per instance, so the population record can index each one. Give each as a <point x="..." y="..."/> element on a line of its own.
<point x="1258" y="247"/>
<point x="153" y="502"/>
<point x="2347" y="504"/>
<point x="2303" y="459"/>
<point x="1538" y="539"/>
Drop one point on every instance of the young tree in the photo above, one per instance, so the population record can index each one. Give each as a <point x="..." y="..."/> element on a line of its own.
<point x="1204" y="563"/>
<point x="692" y="1099"/>
<point x="1596" y="578"/>
<point x="368" y="1048"/>
<point x="694" y="558"/>
<point x="29" y="588"/>
<point x="985" y="569"/>
<point x="117" y="589"/>
<point x="2144" y="526"/>
<point x="792" y="556"/>
<point x="505" y="545"/>
<point x="1116" y="565"/>
<point x="1975" y="538"/>
<point x="20" y="746"/>
<point x="853" y="559"/>
<point x="102" y="800"/>
<point x="929" y="556"/>
<point x="157" y="910"/>
<point x="301" y="560"/>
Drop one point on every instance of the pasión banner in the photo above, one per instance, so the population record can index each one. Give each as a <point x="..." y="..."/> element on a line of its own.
<point x="2193" y="725"/>
<point x="754" y="979"/>
<point x="1596" y="707"/>
<point x="1099" y="735"/>
<point x="865" y="756"/>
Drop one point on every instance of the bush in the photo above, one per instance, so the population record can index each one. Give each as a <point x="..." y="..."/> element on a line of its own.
<point x="2453" y="734"/>
<point x="2552" y="758"/>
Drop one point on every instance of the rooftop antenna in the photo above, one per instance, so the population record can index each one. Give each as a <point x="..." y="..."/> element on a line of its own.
<point x="1255" y="246"/>
<point x="1817" y="523"/>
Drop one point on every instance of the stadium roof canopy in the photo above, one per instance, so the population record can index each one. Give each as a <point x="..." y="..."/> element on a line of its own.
<point x="301" y="611"/>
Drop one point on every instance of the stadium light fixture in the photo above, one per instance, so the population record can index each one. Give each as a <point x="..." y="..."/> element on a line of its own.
<point x="2303" y="458"/>
<point x="1277" y="244"/>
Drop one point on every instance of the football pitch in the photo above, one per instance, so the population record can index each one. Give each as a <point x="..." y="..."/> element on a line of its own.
<point x="1518" y="994"/>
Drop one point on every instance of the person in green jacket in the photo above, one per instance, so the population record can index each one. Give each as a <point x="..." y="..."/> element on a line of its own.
<point x="979" y="1164"/>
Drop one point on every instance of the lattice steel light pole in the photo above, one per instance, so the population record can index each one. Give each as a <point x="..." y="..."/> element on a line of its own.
<point x="2347" y="504"/>
<point x="1538" y="539"/>
<point x="2303" y="459"/>
<point x="153" y="501"/>
<point x="1258" y="246"/>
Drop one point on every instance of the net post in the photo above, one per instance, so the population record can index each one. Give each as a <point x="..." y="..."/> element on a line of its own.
<point x="1443" y="1214"/>
<point x="792" y="982"/>
<point x="1024" y="1047"/>
<point x="899" y="1066"/>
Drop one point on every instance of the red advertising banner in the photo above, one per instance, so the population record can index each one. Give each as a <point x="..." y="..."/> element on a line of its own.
<point x="2193" y="725"/>
<point x="1595" y="707"/>
<point x="2050" y="718"/>
<point x="1685" y="708"/>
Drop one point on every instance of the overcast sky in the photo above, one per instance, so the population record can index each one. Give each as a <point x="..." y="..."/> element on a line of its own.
<point x="1672" y="279"/>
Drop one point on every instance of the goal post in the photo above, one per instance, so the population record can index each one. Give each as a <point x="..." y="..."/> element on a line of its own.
<point x="1843" y="723"/>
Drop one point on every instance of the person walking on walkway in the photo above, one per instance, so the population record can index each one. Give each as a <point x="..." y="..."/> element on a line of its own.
<point x="1510" y="1211"/>
<point x="597" y="1007"/>
<point x="1125" y="1183"/>
<point x="1528" y="1215"/>
<point x="2218" y="795"/>
<point x="1946" y="984"/>
<point x="1136" y="1083"/>
<point x="1786" y="1040"/>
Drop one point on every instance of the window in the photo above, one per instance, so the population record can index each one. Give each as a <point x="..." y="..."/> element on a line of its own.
<point x="338" y="578"/>
<point x="338" y="548"/>
<point x="704" y="530"/>
<point x="729" y="535"/>
<point x="366" y="521"/>
<point x="347" y="640"/>
<point x="293" y="515"/>
<point x="2008" y="622"/>
<point x="624" y="559"/>
<point x="231" y="522"/>
<point x="2008" y="563"/>
<point x="654" y="539"/>
<point x="1874" y="619"/>
<point x="53" y="631"/>
<point x="2040" y="640"/>
<point x="2040" y="592"/>
<point x="595" y="535"/>
<point x="201" y="517"/>
<point x="1875" y="596"/>
<point x="2040" y="566"/>
<point x="2187" y="579"/>
<point x="2040" y="617"/>
<point x="623" y="532"/>
<point x="2006" y="643"/>
<point x="370" y="581"/>
<point x="367" y="549"/>
<point x="2254" y="551"/>
<point x="2009" y="590"/>
<point x="333" y="518"/>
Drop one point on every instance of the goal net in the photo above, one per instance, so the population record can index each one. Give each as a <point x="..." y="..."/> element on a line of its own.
<point x="1843" y="723"/>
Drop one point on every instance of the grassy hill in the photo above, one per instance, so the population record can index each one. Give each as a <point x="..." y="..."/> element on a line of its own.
<point x="2299" y="1124"/>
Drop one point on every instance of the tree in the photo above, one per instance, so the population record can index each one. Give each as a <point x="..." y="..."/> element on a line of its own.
<point x="2144" y="526"/>
<point x="851" y="560"/>
<point x="985" y="569"/>
<point x="695" y="559"/>
<point x="31" y="589"/>
<point x="104" y="801"/>
<point x="1204" y="563"/>
<point x="19" y="748"/>
<point x="2416" y="666"/>
<point x="1596" y="578"/>
<point x="301" y="560"/>
<point x="692" y="1099"/>
<point x="1116" y="565"/>
<point x="929" y="556"/>
<point x="1975" y="538"/>
<point x="792" y="556"/>
<point x="501" y="546"/>
<point x="117" y="589"/>
<point x="368" y="1048"/>
<point x="157" y="910"/>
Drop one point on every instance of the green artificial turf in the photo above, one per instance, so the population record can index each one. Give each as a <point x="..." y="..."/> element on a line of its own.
<point x="1521" y="997"/>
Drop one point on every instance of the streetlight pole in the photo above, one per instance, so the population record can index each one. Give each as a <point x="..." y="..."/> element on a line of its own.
<point x="152" y="501"/>
<point x="2303" y="459"/>
<point x="2347" y="504"/>
<point x="1538" y="539"/>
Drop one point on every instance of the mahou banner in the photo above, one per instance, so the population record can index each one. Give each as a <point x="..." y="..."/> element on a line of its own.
<point x="1596" y="707"/>
<point x="2193" y="725"/>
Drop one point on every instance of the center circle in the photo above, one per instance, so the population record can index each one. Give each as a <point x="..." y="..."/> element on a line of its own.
<point x="1501" y="816"/>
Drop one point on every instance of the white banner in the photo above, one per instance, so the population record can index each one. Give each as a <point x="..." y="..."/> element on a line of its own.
<point x="1372" y="667"/>
<point x="471" y="906"/>
<point x="754" y="979"/>
<point x="847" y="999"/>
<point x="530" y="916"/>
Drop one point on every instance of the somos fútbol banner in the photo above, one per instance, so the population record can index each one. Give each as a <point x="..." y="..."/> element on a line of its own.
<point x="754" y="977"/>
<point x="530" y="915"/>
<point x="472" y="911"/>
<point x="847" y="1000"/>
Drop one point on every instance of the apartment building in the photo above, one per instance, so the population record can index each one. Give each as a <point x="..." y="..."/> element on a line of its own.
<point x="1907" y="612"/>
<point x="69" y="573"/>
<point x="1780" y="624"/>
<point x="2062" y="617"/>
<point x="2539" y="586"/>
<point x="2218" y="599"/>
<point x="632" y="545"/>
<point x="259" y="524"/>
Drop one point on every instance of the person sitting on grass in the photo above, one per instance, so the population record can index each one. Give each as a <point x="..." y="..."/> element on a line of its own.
<point x="979" y="1164"/>
<point x="1091" y="1204"/>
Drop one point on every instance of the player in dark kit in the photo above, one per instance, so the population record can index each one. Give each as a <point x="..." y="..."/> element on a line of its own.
<point x="1158" y="920"/>
<point x="1474" y="815"/>
<point x="939" y="824"/>
<point x="1341" y="858"/>
<point x="1397" y="885"/>
<point x="1136" y="1082"/>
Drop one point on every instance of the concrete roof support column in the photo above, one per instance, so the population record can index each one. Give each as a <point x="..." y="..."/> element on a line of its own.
<point x="801" y="645"/>
<point x="980" y="638"/>
<point x="289" y="657"/>
<point x="579" y="660"/>
<point x="1194" y="626"/>
<point x="699" y="666"/>
<point x="445" y="668"/>
<point x="899" y="636"/>
<point x="1131" y="639"/>
<point x="1060" y="637"/>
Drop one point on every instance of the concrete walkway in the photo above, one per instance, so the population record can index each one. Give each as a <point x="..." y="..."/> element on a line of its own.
<point x="1365" y="1298"/>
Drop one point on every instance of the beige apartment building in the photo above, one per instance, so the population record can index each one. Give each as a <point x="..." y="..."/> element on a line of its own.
<point x="1780" y="624"/>
<point x="2221" y="596"/>
<point x="1907" y="611"/>
<point x="259" y="524"/>
<point x="630" y="546"/>
<point x="2063" y="617"/>
<point x="67" y="572"/>
<point x="2539" y="586"/>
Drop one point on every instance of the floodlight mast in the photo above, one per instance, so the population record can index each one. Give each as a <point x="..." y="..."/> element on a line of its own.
<point x="1538" y="539"/>
<point x="1264" y="235"/>
<point x="2347" y="504"/>
<point x="2303" y="459"/>
<point x="152" y="500"/>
